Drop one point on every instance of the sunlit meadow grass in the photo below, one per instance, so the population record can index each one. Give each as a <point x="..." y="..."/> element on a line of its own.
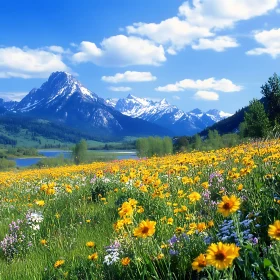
<point x="210" y="215"/>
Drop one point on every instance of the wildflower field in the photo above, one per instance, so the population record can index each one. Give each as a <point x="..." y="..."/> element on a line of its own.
<point x="199" y="215"/>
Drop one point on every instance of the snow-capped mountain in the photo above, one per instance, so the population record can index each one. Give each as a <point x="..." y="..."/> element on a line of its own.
<point x="63" y="98"/>
<point x="217" y="115"/>
<point x="148" y="110"/>
<point x="167" y="115"/>
<point x="59" y="89"/>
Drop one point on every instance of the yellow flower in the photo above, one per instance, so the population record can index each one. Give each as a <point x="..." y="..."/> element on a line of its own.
<point x="221" y="255"/>
<point x="240" y="187"/>
<point x="211" y="223"/>
<point x="184" y="208"/>
<point x="87" y="221"/>
<point x="40" y="202"/>
<point x="118" y="225"/>
<point x="124" y="179"/>
<point x="43" y="242"/>
<point x="228" y="205"/>
<point x="145" y="229"/>
<point x="125" y="261"/>
<point x="90" y="244"/>
<point x="57" y="215"/>
<point x="274" y="230"/>
<point x="199" y="263"/>
<point x="68" y="189"/>
<point x="132" y="202"/>
<point x="140" y="209"/>
<point x="163" y="219"/>
<point x="44" y="187"/>
<point x="179" y="230"/>
<point x="192" y="226"/>
<point x="170" y="221"/>
<point x="127" y="221"/>
<point x="50" y="191"/>
<point x="160" y="256"/>
<point x="93" y="257"/>
<point x="205" y="185"/>
<point x="186" y="180"/>
<point x="58" y="263"/>
<point x="125" y="210"/>
<point x="201" y="227"/>
<point x="194" y="196"/>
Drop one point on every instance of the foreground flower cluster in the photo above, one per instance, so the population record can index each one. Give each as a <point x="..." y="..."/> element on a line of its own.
<point x="212" y="215"/>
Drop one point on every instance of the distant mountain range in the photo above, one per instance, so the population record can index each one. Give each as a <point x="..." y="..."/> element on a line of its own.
<point x="63" y="100"/>
<point x="169" y="116"/>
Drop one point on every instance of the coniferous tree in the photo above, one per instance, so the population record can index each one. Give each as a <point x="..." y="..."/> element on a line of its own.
<point x="271" y="91"/>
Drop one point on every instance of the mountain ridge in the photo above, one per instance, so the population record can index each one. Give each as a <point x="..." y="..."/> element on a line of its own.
<point x="64" y="99"/>
<point x="167" y="115"/>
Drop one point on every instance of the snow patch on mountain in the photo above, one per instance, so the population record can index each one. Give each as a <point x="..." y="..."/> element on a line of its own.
<point x="167" y="115"/>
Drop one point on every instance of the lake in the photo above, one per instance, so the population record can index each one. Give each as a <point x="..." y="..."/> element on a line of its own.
<point x="24" y="162"/>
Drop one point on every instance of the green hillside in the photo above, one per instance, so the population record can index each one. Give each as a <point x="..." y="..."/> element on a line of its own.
<point x="21" y="130"/>
<point x="230" y="124"/>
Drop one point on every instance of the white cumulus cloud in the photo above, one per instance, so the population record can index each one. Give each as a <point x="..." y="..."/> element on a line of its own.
<point x="16" y="96"/>
<point x="206" y="95"/>
<point x="270" y="40"/>
<point x="218" y="44"/>
<point x="121" y="51"/>
<point x="223" y="85"/>
<point x="224" y="13"/>
<point x="55" y="49"/>
<point x="120" y="88"/>
<point x="129" y="76"/>
<point x="200" y="20"/>
<point x="29" y="63"/>
<point x="174" y="32"/>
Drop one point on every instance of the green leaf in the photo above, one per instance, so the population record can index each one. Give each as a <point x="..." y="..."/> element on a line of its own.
<point x="267" y="263"/>
<point x="270" y="276"/>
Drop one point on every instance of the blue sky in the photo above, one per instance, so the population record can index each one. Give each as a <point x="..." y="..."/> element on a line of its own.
<point x="200" y="53"/>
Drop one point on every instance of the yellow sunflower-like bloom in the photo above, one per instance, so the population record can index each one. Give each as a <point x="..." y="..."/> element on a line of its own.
<point x="58" y="263"/>
<point x="221" y="255"/>
<point x="194" y="196"/>
<point x="145" y="229"/>
<point x="274" y="230"/>
<point x="43" y="242"/>
<point x="93" y="257"/>
<point x="40" y="202"/>
<point x="199" y="263"/>
<point x="228" y="205"/>
<point x="125" y="210"/>
<point x="90" y="244"/>
<point x="125" y="261"/>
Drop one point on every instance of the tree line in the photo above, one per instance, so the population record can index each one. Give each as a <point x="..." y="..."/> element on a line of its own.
<point x="147" y="147"/>
<point x="261" y="119"/>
